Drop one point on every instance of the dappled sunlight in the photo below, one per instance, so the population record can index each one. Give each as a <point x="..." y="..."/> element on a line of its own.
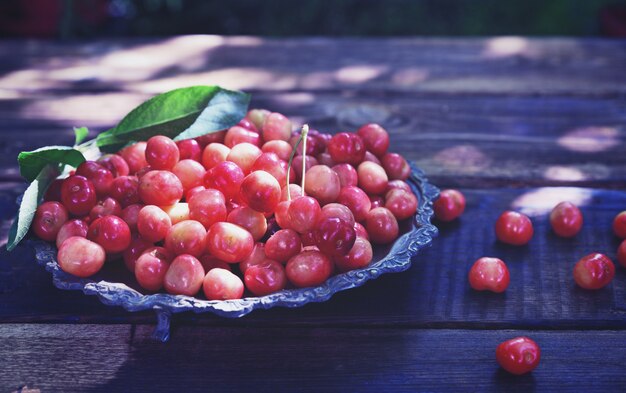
<point x="502" y="47"/>
<point x="92" y="110"/>
<point x="592" y="139"/>
<point x="564" y="173"/>
<point x="466" y="158"/>
<point x="541" y="201"/>
<point x="233" y="78"/>
<point x="359" y="73"/>
<point x="410" y="76"/>
<point x="133" y="63"/>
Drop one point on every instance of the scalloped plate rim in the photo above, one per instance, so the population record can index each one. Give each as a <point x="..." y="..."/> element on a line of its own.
<point x="119" y="294"/>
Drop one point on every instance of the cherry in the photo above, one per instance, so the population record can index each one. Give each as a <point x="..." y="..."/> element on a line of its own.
<point x="78" y="195"/>
<point x="396" y="166"/>
<point x="257" y="256"/>
<point x="403" y="204"/>
<point x="375" y="137"/>
<point x="260" y="191"/>
<point x="225" y="177"/>
<point x="360" y="256"/>
<point x="177" y="212"/>
<point x="281" y="148"/>
<point x="151" y="267"/>
<point x="490" y="274"/>
<point x="130" y="214"/>
<point x="161" y="152"/>
<point x="229" y="242"/>
<point x="80" y="257"/>
<point x="337" y="210"/>
<point x="135" y="156"/>
<point x="266" y="277"/>
<point x="346" y="147"/>
<point x="111" y="232"/>
<point x="361" y="231"/>
<point x="377" y="201"/>
<point x="519" y="355"/>
<point x="213" y="154"/>
<point x="247" y="124"/>
<point x="251" y="220"/>
<point x="334" y="236"/>
<point x="309" y="269"/>
<point x="449" y="205"/>
<point x="114" y="163"/>
<point x="49" y="219"/>
<point x="186" y="237"/>
<point x="71" y="228"/>
<point x="283" y="245"/>
<point x="303" y="213"/>
<point x="514" y="228"/>
<point x="153" y="223"/>
<point x="281" y="214"/>
<point x="160" y="188"/>
<point x="398" y="184"/>
<point x="184" y="276"/>
<point x="347" y="175"/>
<point x="594" y="271"/>
<point x="322" y="183"/>
<point x="210" y="262"/>
<point x="106" y="207"/>
<point x="236" y="135"/>
<point x="137" y="246"/>
<point x="369" y="156"/>
<point x="356" y="200"/>
<point x="257" y="117"/>
<point x="53" y="193"/>
<point x="372" y="178"/>
<point x="221" y="284"/>
<point x="98" y="175"/>
<point x="381" y="225"/>
<point x="244" y="155"/>
<point x="214" y="137"/>
<point x="566" y="219"/>
<point x="189" y="149"/>
<point x="619" y="225"/>
<point x="208" y="207"/>
<point x="125" y="189"/>
<point x="270" y="163"/>
<point x="308" y="162"/>
<point x="276" y="127"/>
<point x="190" y="173"/>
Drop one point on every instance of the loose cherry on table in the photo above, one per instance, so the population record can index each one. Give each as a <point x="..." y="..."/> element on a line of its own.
<point x="514" y="228"/>
<point x="518" y="355"/>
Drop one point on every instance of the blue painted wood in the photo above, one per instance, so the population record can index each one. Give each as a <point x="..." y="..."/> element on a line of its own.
<point x="120" y="358"/>
<point x="433" y="292"/>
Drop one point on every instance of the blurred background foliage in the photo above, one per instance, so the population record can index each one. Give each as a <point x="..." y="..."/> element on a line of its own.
<point x="71" y="19"/>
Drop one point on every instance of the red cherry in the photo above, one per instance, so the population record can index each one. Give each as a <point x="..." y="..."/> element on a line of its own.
<point x="519" y="355"/>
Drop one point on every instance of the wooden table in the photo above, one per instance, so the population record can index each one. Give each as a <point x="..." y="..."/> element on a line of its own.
<point x="515" y="123"/>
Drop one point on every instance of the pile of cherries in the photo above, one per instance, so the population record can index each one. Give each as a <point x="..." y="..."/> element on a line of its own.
<point x="226" y="213"/>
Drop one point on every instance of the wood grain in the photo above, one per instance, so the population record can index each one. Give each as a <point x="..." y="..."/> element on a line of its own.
<point x="434" y="292"/>
<point x="468" y="141"/>
<point x="510" y="65"/>
<point x="107" y="358"/>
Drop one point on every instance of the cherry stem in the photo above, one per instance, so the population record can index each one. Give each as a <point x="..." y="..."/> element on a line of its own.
<point x="303" y="133"/>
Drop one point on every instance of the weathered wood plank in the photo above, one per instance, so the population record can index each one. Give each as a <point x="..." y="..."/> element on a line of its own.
<point x="470" y="141"/>
<point x="58" y="358"/>
<point x="508" y="65"/>
<point x="434" y="292"/>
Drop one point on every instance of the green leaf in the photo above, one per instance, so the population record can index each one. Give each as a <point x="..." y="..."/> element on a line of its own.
<point x="28" y="206"/>
<point x="32" y="162"/>
<point x="176" y="112"/>
<point x="224" y="110"/>
<point x="81" y="133"/>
